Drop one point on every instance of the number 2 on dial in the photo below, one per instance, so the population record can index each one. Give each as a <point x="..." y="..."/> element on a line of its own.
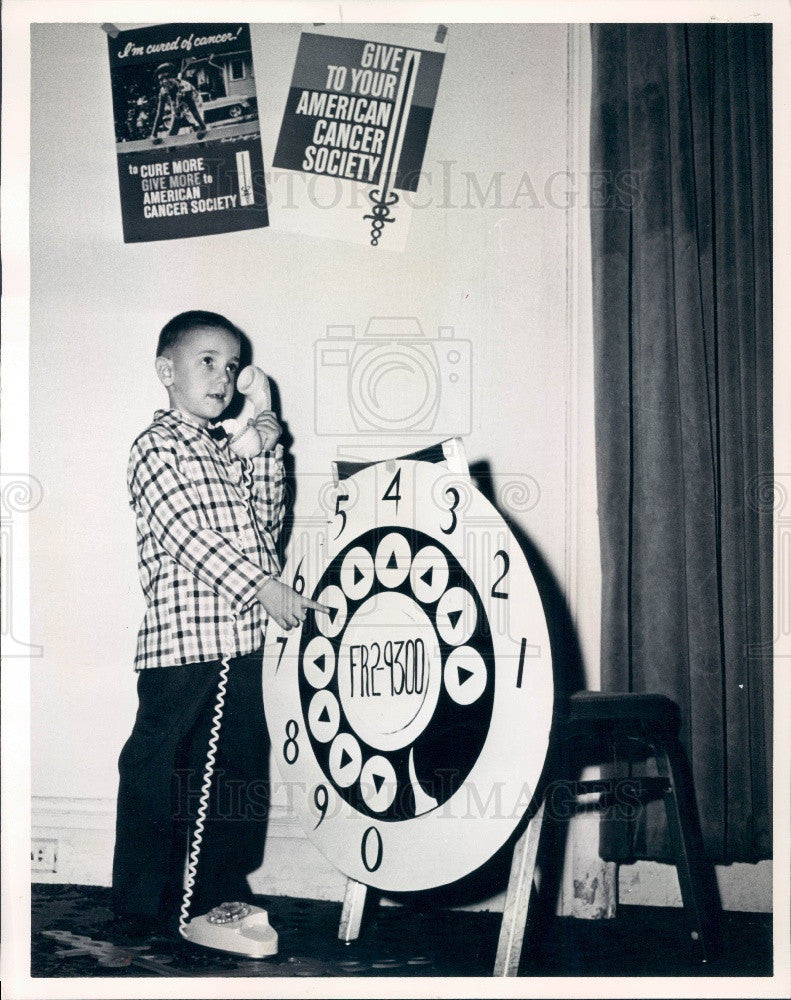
<point x="502" y="594"/>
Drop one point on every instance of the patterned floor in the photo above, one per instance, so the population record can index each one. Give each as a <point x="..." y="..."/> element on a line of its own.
<point x="397" y="941"/>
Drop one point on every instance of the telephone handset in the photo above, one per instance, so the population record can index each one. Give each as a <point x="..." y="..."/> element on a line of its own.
<point x="254" y="386"/>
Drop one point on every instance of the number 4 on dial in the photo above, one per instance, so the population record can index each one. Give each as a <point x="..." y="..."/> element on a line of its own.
<point x="392" y="491"/>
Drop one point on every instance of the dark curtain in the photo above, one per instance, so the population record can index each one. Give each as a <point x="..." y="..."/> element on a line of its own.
<point x="681" y="239"/>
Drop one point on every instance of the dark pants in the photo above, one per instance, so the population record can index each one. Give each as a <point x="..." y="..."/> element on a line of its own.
<point x="161" y="771"/>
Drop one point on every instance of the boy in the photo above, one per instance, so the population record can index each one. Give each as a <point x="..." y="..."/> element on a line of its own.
<point x="207" y="528"/>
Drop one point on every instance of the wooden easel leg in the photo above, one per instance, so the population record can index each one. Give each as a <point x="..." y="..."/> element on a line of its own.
<point x="517" y="899"/>
<point x="352" y="912"/>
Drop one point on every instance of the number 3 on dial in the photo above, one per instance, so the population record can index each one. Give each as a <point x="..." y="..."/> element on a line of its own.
<point x="452" y="510"/>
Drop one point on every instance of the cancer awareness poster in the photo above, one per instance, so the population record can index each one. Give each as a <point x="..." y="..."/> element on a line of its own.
<point x="186" y="131"/>
<point x="355" y="128"/>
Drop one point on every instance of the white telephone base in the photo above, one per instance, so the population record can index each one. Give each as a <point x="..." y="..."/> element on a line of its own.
<point x="235" y="927"/>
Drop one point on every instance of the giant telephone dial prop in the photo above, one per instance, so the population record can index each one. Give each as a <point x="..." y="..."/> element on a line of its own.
<point x="413" y="720"/>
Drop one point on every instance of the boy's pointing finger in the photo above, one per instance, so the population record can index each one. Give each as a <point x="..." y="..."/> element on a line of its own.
<point x="315" y="605"/>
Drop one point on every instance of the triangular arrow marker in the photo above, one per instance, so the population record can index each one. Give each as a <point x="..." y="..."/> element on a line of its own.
<point x="428" y="576"/>
<point x="325" y="715"/>
<point x="333" y="613"/>
<point x="357" y="576"/>
<point x="378" y="781"/>
<point x="320" y="662"/>
<point x="453" y="618"/>
<point x="464" y="675"/>
<point x="391" y="562"/>
<point x="345" y="758"/>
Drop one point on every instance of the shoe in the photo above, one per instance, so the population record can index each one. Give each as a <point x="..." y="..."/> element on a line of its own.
<point x="201" y="134"/>
<point x="130" y="928"/>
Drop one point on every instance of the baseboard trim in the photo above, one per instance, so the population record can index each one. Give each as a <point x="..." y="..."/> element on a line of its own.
<point x="84" y="834"/>
<point x="743" y="888"/>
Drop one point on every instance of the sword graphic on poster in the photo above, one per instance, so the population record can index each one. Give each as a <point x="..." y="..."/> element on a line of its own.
<point x="355" y="129"/>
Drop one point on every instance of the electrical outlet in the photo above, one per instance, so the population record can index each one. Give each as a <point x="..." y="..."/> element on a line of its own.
<point x="44" y="855"/>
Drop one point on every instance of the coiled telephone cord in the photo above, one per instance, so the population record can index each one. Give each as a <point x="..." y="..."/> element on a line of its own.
<point x="203" y="804"/>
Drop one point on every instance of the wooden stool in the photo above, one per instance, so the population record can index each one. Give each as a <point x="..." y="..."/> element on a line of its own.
<point x="596" y="727"/>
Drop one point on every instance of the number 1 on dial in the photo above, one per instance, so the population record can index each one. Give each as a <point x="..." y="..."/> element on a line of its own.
<point x="534" y="651"/>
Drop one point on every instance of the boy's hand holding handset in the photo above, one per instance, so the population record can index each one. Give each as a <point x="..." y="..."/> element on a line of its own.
<point x="256" y="430"/>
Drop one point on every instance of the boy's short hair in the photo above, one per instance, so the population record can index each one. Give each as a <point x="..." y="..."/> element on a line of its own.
<point x="178" y="327"/>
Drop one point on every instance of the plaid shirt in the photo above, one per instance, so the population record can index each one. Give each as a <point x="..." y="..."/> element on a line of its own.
<point x="207" y="527"/>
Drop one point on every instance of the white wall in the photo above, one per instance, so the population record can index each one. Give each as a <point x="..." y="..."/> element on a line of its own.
<point x="508" y="272"/>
